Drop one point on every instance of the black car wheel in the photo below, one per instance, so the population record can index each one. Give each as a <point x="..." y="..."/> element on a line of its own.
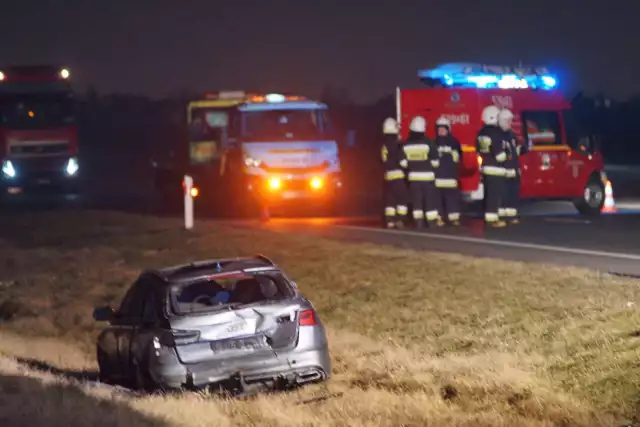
<point x="104" y="375"/>
<point x="593" y="198"/>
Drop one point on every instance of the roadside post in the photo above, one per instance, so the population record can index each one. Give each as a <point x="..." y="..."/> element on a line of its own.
<point x="189" y="195"/>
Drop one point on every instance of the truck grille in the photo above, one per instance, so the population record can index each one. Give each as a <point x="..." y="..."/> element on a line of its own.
<point x="34" y="148"/>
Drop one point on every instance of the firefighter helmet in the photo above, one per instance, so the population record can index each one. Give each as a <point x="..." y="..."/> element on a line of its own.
<point x="390" y="126"/>
<point x="418" y="124"/>
<point x="504" y="118"/>
<point x="443" y="121"/>
<point x="490" y="115"/>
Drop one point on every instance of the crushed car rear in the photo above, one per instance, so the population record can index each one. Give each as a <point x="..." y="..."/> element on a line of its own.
<point x="253" y="329"/>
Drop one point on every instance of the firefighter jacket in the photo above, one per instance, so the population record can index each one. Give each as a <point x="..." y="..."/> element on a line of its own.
<point x="449" y="153"/>
<point x="491" y="149"/>
<point x="393" y="158"/>
<point x="422" y="157"/>
<point x="514" y="150"/>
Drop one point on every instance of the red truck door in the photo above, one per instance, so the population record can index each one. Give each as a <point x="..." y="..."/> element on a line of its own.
<point x="544" y="169"/>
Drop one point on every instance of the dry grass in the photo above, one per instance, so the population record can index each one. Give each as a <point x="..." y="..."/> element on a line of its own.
<point x="416" y="338"/>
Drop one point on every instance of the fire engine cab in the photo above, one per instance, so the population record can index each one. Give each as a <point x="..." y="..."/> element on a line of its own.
<point x="563" y="162"/>
<point x="38" y="133"/>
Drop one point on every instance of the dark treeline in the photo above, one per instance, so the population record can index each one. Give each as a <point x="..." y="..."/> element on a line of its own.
<point x="137" y="126"/>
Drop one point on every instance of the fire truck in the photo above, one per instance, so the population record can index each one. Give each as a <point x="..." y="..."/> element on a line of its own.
<point x="563" y="163"/>
<point x="272" y="148"/>
<point x="38" y="134"/>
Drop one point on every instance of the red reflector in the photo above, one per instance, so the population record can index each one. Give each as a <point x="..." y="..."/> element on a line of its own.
<point x="307" y="318"/>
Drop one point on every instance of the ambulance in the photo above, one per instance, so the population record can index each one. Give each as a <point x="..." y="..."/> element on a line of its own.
<point x="563" y="163"/>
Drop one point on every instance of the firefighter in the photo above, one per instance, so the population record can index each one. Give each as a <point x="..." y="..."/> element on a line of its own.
<point x="447" y="174"/>
<point x="422" y="159"/>
<point x="394" y="185"/>
<point x="490" y="148"/>
<point x="512" y="167"/>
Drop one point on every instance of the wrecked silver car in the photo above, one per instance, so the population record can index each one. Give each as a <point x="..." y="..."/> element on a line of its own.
<point x="231" y="323"/>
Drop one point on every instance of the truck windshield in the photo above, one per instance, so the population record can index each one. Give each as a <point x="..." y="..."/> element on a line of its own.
<point x="284" y="125"/>
<point x="581" y="136"/>
<point x="36" y="110"/>
<point x="208" y="124"/>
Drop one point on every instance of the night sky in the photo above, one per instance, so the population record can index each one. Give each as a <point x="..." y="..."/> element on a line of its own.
<point x="159" y="47"/>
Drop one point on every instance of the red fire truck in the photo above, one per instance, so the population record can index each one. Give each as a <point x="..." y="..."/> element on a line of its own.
<point x="564" y="162"/>
<point x="38" y="134"/>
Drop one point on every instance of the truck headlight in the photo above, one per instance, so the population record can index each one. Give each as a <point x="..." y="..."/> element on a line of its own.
<point x="250" y="161"/>
<point x="8" y="170"/>
<point x="72" y="166"/>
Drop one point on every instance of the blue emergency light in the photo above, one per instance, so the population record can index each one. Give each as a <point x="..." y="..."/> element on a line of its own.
<point x="488" y="76"/>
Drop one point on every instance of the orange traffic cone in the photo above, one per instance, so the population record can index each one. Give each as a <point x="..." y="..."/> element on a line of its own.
<point x="609" y="202"/>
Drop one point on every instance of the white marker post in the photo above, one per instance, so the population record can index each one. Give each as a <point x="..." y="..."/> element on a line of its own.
<point x="188" y="202"/>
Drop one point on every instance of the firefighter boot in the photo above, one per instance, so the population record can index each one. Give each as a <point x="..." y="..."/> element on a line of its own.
<point x="515" y="221"/>
<point x="439" y="222"/>
<point x="420" y="223"/>
<point x="390" y="224"/>
<point x="399" y="224"/>
<point x="455" y="222"/>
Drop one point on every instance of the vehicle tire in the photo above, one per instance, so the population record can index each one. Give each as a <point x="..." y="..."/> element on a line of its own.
<point x="593" y="198"/>
<point x="142" y="381"/>
<point x="104" y="375"/>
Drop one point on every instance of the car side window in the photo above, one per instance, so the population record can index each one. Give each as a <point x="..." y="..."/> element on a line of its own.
<point x="131" y="307"/>
<point x="541" y="128"/>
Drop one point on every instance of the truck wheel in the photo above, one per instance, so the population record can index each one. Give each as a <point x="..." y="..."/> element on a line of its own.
<point x="592" y="199"/>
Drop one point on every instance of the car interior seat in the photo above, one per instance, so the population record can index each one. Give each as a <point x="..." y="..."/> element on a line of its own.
<point x="246" y="291"/>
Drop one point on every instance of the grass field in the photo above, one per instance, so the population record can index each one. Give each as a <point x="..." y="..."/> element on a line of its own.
<point x="417" y="338"/>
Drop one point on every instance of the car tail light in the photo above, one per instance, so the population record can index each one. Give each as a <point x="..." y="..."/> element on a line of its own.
<point x="172" y="338"/>
<point x="307" y="318"/>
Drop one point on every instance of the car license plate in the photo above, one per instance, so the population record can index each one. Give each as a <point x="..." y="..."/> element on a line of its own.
<point x="291" y="194"/>
<point x="249" y="343"/>
<point x="44" y="181"/>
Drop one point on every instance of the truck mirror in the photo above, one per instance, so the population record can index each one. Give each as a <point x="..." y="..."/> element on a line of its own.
<point x="351" y="138"/>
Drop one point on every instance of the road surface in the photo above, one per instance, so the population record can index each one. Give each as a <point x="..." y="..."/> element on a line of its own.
<point x="610" y="243"/>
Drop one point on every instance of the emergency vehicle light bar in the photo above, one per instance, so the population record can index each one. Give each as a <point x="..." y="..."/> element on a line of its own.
<point x="489" y="76"/>
<point x="34" y="73"/>
<point x="226" y="94"/>
<point x="273" y="98"/>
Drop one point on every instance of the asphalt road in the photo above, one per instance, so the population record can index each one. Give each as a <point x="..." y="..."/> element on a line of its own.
<point x="610" y="243"/>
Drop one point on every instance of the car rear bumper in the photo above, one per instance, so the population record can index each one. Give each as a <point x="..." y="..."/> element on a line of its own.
<point x="293" y="367"/>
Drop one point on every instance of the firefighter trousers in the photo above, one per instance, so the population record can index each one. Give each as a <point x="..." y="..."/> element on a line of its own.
<point x="512" y="198"/>
<point x="494" y="186"/>
<point x="424" y="200"/>
<point x="395" y="199"/>
<point x="449" y="198"/>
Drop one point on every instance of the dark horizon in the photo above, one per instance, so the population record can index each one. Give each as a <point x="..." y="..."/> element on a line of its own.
<point x="156" y="48"/>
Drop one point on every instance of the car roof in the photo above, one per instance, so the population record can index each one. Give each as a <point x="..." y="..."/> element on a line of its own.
<point x="206" y="268"/>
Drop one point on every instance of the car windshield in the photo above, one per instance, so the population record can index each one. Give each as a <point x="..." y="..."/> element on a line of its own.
<point x="279" y="125"/>
<point x="227" y="291"/>
<point x="36" y="111"/>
